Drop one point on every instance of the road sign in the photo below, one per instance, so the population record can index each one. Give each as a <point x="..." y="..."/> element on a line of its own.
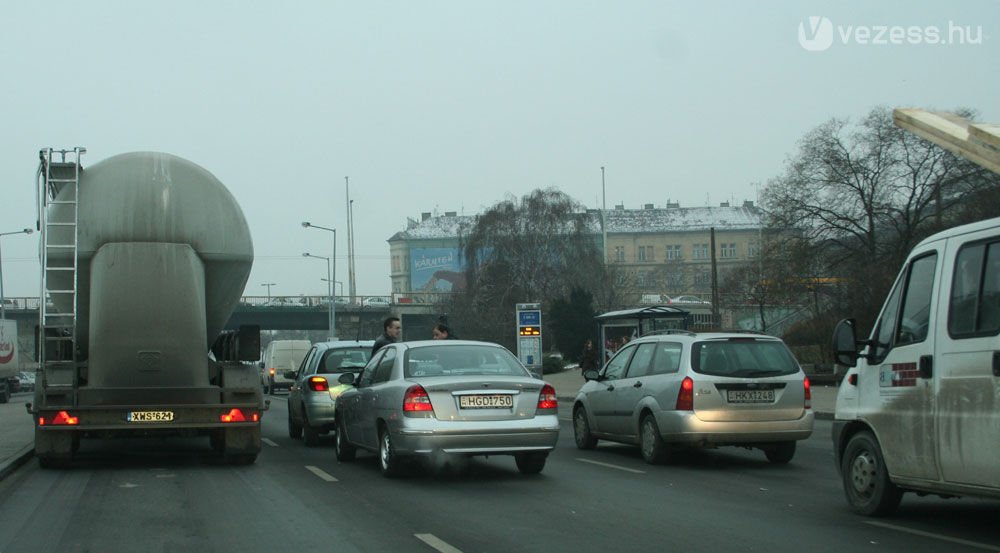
<point x="529" y="336"/>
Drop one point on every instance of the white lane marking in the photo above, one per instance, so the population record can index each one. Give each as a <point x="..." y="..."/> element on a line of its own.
<point x="437" y="543"/>
<point x="321" y="473"/>
<point x="935" y="536"/>
<point x="626" y="469"/>
<point x="566" y="419"/>
<point x="269" y="442"/>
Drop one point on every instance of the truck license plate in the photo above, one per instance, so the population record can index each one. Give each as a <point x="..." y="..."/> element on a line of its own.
<point x="149" y="416"/>
<point x="484" y="401"/>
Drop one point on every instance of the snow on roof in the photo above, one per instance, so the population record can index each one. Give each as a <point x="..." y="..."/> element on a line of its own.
<point x="621" y="221"/>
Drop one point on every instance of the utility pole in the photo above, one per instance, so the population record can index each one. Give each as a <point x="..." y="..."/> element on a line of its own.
<point x="351" y="285"/>
<point x="604" y="223"/>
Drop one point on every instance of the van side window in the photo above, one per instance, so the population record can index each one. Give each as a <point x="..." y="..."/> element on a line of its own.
<point x="887" y="324"/>
<point x="915" y="318"/>
<point x="974" y="306"/>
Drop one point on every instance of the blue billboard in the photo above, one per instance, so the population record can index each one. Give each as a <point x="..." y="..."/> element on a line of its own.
<point x="436" y="270"/>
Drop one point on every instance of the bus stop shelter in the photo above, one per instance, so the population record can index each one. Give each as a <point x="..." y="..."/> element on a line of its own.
<point x="634" y="323"/>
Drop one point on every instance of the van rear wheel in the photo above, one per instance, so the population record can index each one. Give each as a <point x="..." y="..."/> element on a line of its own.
<point x="866" y="479"/>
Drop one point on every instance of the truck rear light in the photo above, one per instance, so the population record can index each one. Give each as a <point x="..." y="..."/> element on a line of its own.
<point x="318" y="384"/>
<point x="237" y="415"/>
<point x="807" y="388"/>
<point x="62" y="418"/>
<point x="272" y="371"/>
<point x="416" y="400"/>
<point x="685" y="398"/>
<point x="547" y="399"/>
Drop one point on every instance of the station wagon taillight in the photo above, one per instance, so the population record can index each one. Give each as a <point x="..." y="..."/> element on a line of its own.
<point x="547" y="399"/>
<point x="685" y="398"/>
<point x="807" y="388"/>
<point x="416" y="400"/>
<point x="318" y="384"/>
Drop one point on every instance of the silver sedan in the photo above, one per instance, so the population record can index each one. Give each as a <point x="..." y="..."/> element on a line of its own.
<point x="447" y="397"/>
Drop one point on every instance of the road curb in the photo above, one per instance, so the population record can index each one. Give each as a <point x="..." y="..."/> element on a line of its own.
<point x="15" y="462"/>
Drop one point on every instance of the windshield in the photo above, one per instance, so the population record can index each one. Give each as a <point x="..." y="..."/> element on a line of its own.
<point x="344" y="360"/>
<point x="746" y="358"/>
<point x="464" y="360"/>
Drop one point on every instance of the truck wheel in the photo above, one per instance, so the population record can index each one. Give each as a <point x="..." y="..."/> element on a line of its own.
<point x="866" y="479"/>
<point x="780" y="453"/>
<point x="4" y="393"/>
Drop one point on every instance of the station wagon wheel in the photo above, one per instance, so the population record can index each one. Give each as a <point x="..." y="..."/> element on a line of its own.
<point x="344" y="450"/>
<point x="294" y="430"/>
<point x="388" y="462"/>
<point x="780" y="453"/>
<point x="581" y="430"/>
<point x="866" y="480"/>
<point x="654" y="450"/>
<point x="531" y="463"/>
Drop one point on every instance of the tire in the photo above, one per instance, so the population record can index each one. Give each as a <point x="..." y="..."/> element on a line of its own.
<point x="388" y="462"/>
<point x="310" y="434"/>
<point x="5" y="394"/>
<point x="344" y="450"/>
<point x="531" y="463"/>
<point x="866" y="481"/>
<point x="581" y="430"/>
<point x="653" y="448"/>
<point x="780" y="453"/>
<point x="270" y="386"/>
<point x="294" y="430"/>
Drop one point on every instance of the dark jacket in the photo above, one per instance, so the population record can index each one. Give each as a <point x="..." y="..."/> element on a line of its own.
<point x="589" y="361"/>
<point x="381" y="341"/>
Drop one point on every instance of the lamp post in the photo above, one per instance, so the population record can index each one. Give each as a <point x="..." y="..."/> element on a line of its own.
<point x="333" y="272"/>
<point x="340" y="282"/>
<point x="269" y="285"/>
<point x="3" y="307"/>
<point x="604" y="223"/>
<point x="329" y="294"/>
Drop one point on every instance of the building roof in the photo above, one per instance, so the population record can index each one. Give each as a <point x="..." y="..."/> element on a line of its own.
<point x="620" y="221"/>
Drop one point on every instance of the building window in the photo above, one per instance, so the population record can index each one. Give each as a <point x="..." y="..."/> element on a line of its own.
<point x="619" y="254"/>
<point x="753" y="250"/>
<point x="642" y="279"/>
<point x="727" y="251"/>
<point x="702" y="278"/>
<point x="621" y="279"/>
<point x="645" y="253"/>
<point x="673" y="252"/>
<point x="396" y="266"/>
<point x="699" y="251"/>
<point x="675" y="279"/>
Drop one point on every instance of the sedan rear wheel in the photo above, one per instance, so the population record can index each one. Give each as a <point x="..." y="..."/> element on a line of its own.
<point x="294" y="430"/>
<point x="310" y="434"/>
<point x="581" y="430"/>
<point x="344" y="450"/>
<point x="654" y="450"/>
<point x="531" y="463"/>
<point x="389" y="463"/>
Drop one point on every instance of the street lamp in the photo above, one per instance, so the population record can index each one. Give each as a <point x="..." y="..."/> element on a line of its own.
<point x="340" y="282"/>
<point x="333" y="271"/>
<point x="269" y="285"/>
<point x="331" y="320"/>
<point x="3" y="308"/>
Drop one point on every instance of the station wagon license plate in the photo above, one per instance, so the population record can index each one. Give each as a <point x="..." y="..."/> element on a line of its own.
<point x="486" y="401"/>
<point x="750" y="396"/>
<point x="149" y="416"/>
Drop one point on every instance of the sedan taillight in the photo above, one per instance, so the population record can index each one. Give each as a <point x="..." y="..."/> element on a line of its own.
<point x="318" y="384"/>
<point x="416" y="400"/>
<point x="547" y="398"/>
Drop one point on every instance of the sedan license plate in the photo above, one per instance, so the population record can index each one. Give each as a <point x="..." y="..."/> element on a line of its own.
<point x="486" y="401"/>
<point x="149" y="416"/>
<point x="750" y="396"/>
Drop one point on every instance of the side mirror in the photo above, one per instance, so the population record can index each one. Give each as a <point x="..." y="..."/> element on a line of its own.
<point x="845" y="343"/>
<point x="590" y="375"/>
<point x="261" y="364"/>
<point x="290" y="375"/>
<point x="346" y="378"/>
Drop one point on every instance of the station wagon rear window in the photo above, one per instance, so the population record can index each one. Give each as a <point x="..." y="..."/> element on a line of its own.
<point x="464" y="360"/>
<point x="743" y="358"/>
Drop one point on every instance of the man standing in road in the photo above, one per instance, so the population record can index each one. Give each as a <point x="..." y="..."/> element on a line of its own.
<point x="391" y="329"/>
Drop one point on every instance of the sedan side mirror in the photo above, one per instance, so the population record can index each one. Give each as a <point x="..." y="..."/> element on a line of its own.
<point x="346" y="378"/>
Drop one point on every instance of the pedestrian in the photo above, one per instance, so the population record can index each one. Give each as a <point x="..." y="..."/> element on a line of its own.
<point x="391" y="329"/>
<point x="441" y="331"/>
<point x="588" y="360"/>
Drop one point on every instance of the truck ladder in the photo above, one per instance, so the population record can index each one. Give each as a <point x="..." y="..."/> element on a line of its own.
<point x="58" y="195"/>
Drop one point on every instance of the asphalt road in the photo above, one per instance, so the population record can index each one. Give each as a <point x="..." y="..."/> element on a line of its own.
<point x="172" y="496"/>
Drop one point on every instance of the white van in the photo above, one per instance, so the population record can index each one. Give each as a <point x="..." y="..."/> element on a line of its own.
<point x="280" y="356"/>
<point x="920" y="408"/>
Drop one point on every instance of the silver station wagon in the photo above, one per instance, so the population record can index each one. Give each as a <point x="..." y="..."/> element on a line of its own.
<point x="685" y="389"/>
<point x="447" y="397"/>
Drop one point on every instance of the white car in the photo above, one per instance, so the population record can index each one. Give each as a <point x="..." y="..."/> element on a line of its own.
<point x="375" y="301"/>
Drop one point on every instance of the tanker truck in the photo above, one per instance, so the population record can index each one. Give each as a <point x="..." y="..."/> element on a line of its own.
<point x="144" y="257"/>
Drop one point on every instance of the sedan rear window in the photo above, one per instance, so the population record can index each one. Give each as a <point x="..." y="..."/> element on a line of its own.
<point x="743" y="358"/>
<point x="463" y="360"/>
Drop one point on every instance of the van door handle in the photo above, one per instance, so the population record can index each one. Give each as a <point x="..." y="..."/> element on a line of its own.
<point x="996" y="363"/>
<point x="926" y="366"/>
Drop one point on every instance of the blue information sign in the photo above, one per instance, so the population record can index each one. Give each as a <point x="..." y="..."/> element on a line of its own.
<point x="529" y="318"/>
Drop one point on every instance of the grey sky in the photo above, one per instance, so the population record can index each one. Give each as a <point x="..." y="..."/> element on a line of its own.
<point x="450" y="105"/>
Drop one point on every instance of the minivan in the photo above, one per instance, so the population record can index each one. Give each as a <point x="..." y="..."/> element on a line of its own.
<point x="279" y="357"/>
<point x="919" y="408"/>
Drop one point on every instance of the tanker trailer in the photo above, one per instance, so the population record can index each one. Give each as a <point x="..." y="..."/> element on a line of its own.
<point x="144" y="256"/>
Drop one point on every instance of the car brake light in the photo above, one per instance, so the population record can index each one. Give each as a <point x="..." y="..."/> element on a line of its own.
<point x="808" y="393"/>
<point x="62" y="418"/>
<point x="237" y="415"/>
<point x="547" y="399"/>
<point x="318" y="384"/>
<point x="272" y="371"/>
<point x="417" y="400"/>
<point x="685" y="398"/>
